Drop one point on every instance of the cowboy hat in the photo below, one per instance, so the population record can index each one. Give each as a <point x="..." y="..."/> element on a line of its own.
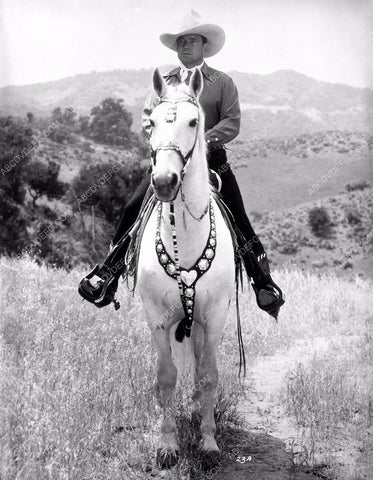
<point x="192" y="24"/>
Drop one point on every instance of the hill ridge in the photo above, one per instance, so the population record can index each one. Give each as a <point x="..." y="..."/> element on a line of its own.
<point x="309" y="105"/>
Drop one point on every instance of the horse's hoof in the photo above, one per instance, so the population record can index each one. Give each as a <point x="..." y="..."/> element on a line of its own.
<point x="209" y="459"/>
<point x="167" y="457"/>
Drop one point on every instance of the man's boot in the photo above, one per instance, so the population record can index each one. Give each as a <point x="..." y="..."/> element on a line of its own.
<point x="101" y="283"/>
<point x="269" y="296"/>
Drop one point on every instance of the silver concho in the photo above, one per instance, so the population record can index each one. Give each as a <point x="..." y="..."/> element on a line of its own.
<point x="209" y="253"/>
<point x="203" y="264"/>
<point x="171" y="269"/>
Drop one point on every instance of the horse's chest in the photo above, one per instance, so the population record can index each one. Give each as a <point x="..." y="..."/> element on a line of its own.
<point x="172" y="279"/>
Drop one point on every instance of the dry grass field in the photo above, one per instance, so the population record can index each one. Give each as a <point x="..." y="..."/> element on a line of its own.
<point x="76" y="383"/>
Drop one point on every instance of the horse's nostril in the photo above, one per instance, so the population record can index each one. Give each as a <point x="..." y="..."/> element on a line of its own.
<point x="165" y="185"/>
<point x="173" y="180"/>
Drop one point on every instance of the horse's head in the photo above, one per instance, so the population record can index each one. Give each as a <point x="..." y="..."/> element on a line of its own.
<point x="176" y="124"/>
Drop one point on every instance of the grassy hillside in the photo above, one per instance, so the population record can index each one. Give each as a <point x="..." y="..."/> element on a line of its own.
<point x="273" y="173"/>
<point x="346" y="249"/>
<point x="278" y="173"/>
<point x="82" y="151"/>
<point x="281" y="179"/>
<point x="76" y="383"/>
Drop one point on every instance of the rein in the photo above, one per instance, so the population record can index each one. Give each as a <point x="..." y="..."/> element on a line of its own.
<point x="200" y="217"/>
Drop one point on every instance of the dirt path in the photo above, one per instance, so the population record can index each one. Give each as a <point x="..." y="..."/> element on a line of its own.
<point x="271" y="449"/>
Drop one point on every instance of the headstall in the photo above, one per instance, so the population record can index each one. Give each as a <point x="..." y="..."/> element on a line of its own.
<point x="171" y="116"/>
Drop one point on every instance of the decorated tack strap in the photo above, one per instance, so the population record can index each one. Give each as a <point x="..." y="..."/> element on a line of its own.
<point x="186" y="279"/>
<point x="171" y="113"/>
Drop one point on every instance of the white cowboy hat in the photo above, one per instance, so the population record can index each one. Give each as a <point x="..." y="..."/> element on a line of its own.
<point x="192" y="23"/>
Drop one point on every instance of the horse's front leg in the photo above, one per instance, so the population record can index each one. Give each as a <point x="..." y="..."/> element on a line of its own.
<point x="166" y="383"/>
<point x="198" y="340"/>
<point x="207" y="376"/>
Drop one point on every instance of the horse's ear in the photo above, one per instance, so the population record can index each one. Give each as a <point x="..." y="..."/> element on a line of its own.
<point x="195" y="83"/>
<point x="159" y="84"/>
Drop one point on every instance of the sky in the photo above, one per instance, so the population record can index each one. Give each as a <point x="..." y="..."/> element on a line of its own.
<point x="42" y="40"/>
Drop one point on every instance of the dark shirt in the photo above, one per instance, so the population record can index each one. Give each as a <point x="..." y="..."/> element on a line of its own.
<point x="218" y="99"/>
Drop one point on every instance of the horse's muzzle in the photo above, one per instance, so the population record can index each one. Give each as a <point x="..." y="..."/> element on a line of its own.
<point x="166" y="186"/>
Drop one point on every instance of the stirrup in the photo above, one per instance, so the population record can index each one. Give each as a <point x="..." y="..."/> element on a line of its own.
<point x="273" y="308"/>
<point x="102" y="294"/>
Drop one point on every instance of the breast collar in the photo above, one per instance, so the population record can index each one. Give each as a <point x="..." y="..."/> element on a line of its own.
<point x="187" y="279"/>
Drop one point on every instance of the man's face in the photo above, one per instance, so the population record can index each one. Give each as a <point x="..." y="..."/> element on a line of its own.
<point x="191" y="50"/>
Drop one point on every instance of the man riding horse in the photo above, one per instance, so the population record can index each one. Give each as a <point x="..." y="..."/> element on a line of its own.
<point x="194" y="42"/>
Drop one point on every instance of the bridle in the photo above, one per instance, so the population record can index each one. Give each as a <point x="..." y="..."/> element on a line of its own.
<point x="171" y="118"/>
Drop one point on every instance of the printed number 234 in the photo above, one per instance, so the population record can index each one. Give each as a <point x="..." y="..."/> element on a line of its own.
<point x="244" y="459"/>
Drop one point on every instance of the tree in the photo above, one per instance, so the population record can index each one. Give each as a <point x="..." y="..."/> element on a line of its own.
<point x="66" y="122"/>
<point x="320" y="222"/>
<point x="30" y="117"/>
<point x="84" y="124"/>
<point x="57" y="115"/>
<point x="107" y="187"/>
<point x="68" y="117"/>
<point x="42" y="179"/>
<point x="111" y="123"/>
<point x="15" y="150"/>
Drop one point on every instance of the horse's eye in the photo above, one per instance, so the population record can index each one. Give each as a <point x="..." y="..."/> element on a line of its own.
<point x="193" y="122"/>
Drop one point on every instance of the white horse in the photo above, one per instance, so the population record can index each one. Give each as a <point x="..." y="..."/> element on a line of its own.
<point x="186" y="261"/>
